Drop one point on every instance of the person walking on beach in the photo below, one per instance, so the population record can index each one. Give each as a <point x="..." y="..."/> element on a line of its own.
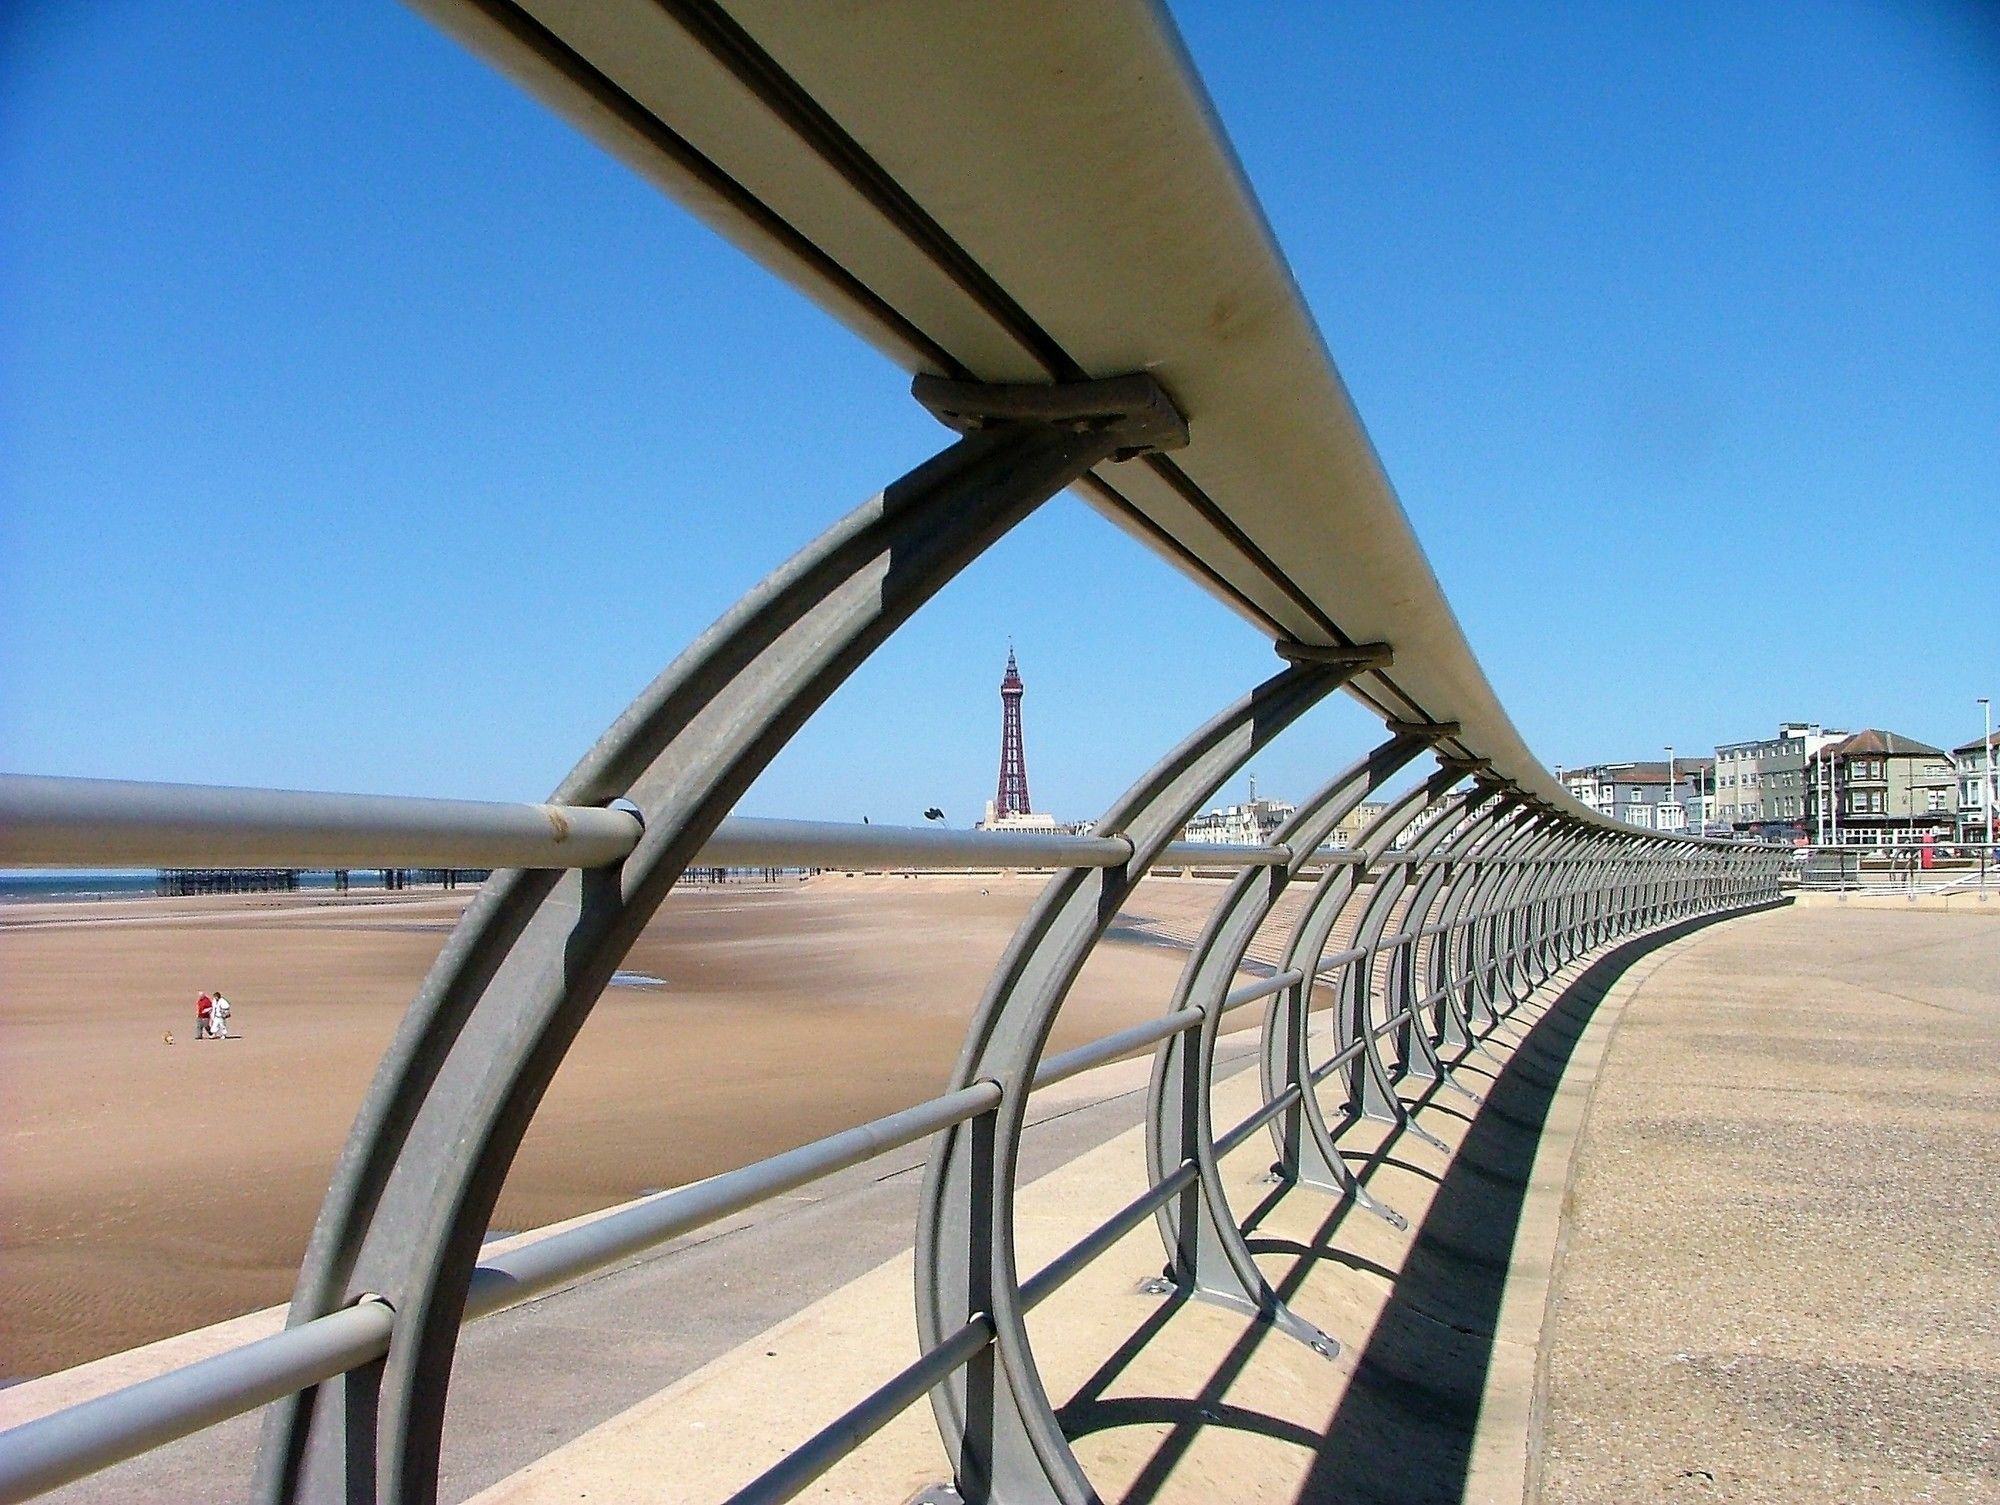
<point x="204" y="1010"/>
<point x="218" y="1017"/>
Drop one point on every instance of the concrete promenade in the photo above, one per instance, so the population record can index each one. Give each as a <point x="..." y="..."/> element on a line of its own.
<point x="1781" y="1272"/>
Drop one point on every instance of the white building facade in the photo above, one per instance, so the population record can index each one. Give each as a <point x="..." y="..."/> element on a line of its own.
<point x="1976" y="774"/>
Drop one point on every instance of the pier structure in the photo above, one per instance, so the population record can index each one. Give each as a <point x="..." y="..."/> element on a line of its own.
<point x="184" y="882"/>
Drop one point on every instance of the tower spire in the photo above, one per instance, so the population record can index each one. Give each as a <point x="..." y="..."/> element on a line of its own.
<point x="1011" y="798"/>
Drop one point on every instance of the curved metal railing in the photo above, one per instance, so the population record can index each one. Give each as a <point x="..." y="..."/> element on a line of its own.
<point x="1419" y="945"/>
<point x="1458" y="900"/>
<point x="1491" y="898"/>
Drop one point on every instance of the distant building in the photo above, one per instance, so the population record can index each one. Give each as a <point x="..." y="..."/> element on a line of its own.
<point x="1878" y="788"/>
<point x="1650" y="795"/>
<point x="1976" y="769"/>
<point x="1760" y="787"/>
<point x="1348" y="829"/>
<point x="1692" y="798"/>
<point x="1253" y="823"/>
<point x="1031" y="821"/>
<point x="1631" y="792"/>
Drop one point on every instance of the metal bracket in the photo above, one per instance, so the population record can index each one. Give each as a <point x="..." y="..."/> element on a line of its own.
<point x="1430" y="731"/>
<point x="1136" y="407"/>
<point x="1359" y="655"/>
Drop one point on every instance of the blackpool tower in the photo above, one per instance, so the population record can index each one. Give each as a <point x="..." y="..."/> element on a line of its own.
<point x="1012" y="798"/>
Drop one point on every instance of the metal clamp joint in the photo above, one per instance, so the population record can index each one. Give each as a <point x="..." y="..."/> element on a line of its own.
<point x="1135" y="408"/>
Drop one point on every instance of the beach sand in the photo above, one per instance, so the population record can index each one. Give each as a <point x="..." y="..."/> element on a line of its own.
<point x="147" y="1188"/>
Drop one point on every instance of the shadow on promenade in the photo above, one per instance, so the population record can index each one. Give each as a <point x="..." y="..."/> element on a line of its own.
<point x="1404" y="1429"/>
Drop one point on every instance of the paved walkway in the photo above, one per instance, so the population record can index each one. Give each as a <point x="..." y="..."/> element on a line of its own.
<point x="1781" y="1279"/>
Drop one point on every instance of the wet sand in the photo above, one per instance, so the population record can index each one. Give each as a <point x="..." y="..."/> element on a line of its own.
<point x="150" y="1188"/>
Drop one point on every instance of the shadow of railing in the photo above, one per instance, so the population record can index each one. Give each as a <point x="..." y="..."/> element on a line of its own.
<point x="1404" y="1429"/>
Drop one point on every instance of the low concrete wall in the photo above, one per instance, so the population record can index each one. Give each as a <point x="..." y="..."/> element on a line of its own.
<point x="1980" y="901"/>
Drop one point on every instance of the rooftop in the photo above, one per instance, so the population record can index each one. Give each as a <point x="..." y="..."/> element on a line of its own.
<point x="1876" y="743"/>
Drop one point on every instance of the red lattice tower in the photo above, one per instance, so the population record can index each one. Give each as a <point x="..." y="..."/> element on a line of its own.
<point x="1012" y="798"/>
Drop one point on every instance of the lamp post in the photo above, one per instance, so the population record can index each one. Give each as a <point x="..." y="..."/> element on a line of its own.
<point x="1670" y="782"/>
<point x="1988" y="784"/>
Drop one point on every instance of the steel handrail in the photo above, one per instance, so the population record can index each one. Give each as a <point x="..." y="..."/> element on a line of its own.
<point x="116" y="823"/>
<point x="82" y="1439"/>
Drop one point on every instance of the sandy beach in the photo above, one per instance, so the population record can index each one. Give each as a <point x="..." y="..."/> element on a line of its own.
<point x="151" y="1188"/>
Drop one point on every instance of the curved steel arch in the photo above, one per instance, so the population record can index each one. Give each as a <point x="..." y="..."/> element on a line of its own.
<point x="1390" y="888"/>
<point x="1430" y="1020"/>
<point x="1368" y="1091"/>
<point x="1469" y="913"/>
<point x="1307" y="1154"/>
<point x="1206" y="1252"/>
<point x="412" y="1194"/>
<point x="999" y="1427"/>
<point x="1445" y="964"/>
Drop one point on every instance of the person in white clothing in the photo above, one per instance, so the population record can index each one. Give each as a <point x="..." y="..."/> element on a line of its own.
<point x="218" y="1017"/>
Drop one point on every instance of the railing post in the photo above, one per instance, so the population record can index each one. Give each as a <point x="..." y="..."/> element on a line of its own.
<point x="1206" y="1252"/>
<point x="998" y="1425"/>
<point x="1535" y="834"/>
<point x="1510" y="926"/>
<point x="1455" y="969"/>
<point x="1367" y="1090"/>
<point x="1399" y="991"/>
<point x="1439" y="1023"/>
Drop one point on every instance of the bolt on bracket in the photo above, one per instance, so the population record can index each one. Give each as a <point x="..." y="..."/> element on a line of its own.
<point x="1359" y="655"/>
<point x="1136" y="407"/>
<point x="1430" y="731"/>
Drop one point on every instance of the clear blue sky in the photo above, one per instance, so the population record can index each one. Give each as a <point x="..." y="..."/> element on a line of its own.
<point x="362" y="426"/>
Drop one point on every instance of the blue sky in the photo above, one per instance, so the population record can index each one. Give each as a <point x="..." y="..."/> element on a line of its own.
<point x="362" y="426"/>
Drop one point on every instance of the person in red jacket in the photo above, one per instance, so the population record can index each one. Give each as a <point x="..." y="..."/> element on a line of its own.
<point x="203" y="1007"/>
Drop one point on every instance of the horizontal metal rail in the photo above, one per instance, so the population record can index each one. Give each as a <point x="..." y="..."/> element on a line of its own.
<point x="113" y="823"/>
<point x="70" y="823"/>
<point x="1116" y="1047"/>
<point x="1388" y="1026"/>
<point x="1335" y="1061"/>
<point x="826" y="1447"/>
<point x="1139" y="1037"/>
<point x="67" y="1445"/>
<point x="533" y="1269"/>
<point x="1046" y="1281"/>
<point x="1277" y="982"/>
<point x="1257" y="1120"/>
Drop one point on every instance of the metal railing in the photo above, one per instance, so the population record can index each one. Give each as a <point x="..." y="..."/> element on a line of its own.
<point x="1456" y="901"/>
<point x="1510" y="879"/>
<point x="1902" y="868"/>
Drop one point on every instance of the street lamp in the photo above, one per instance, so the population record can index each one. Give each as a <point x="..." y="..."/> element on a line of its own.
<point x="1988" y="784"/>
<point x="1670" y="781"/>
